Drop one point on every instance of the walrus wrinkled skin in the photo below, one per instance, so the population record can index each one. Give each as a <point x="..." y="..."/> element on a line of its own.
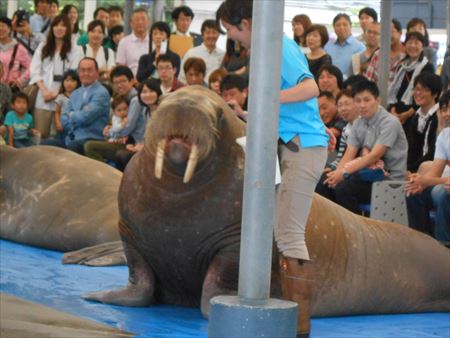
<point x="56" y="199"/>
<point x="182" y="240"/>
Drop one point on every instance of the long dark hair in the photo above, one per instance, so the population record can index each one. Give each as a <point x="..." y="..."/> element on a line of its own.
<point x="50" y="45"/>
<point x="66" y="11"/>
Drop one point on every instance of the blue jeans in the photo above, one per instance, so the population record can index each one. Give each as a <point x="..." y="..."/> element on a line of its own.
<point x="419" y="207"/>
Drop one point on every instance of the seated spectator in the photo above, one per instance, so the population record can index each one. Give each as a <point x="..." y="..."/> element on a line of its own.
<point x="195" y="69"/>
<point x="379" y="132"/>
<point x="23" y="33"/>
<point x="234" y="91"/>
<point x="167" y="74"/>
<point x="360" y="61"/>
<point x="72" y="13"/>
<point x="19" y="123"/>
<point x="418" y="25"/>
<point x="103" y="55"/>
<point x="70" y="82"/>
<point x="122" y="82"/>
<point x="352" y="80"/>
<point x="39" y="21"/>
<point x="49" y="63"/>
<point x="396" y="55"/>
<point x="133" y="46"/>
<point x="119" y="119"/>
<point x="13" y="56"/>
<point x="149" y="94"/>
<point x="208" y="50"/>
<point x="366" y="16"/>
<point x="345" y="46"/>
<point x="115" y="34"/>
<point x="431" y="191"/>
<point x="316" y="39"/>
<point x="329" y="79"/>
<point x="87" y="112"/>
<point x="236" y="59"/>
<point x="215" y="79"/>
<point x="115" y="17"/>
<point x="300" y="24"/>
<point x="159" y="34"/>
<point x="421" y="128"/>
<point x="329" y="114"/>
<point x="400" y="92"/>
<point x="182" y="17"/>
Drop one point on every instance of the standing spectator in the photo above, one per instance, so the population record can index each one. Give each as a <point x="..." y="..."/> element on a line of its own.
<point x="316" y="39"/>
<point x="23" y="33"/>
<point x="345" y="46"/>
<point x="49" y="63"/>
<point x="215" y="79"/>
<point x="195" y="69"/>
<point x="13" y="56"/>
<point x="72" y="12"/>
<point x="400" y="92"/>
<point x="329" y="79"/>
<point x="446" y="74"/>
<point x="115" y="16"/>
<point x="182" y="17"/>
<point x="366" y="16"/>
<point x="234" y="91"/>
<point x="39" y="21"/>
<point x="396" y="55"/>
<point x="431" y="190"/>
<point x="418" y="25"/>
<point x="421" y="129"/>
<point x="102" y="14"/>
<point x="54" y="9"/>
<point x="19" y="123"/>
<point x="167" y="74"/>
<point x="208" y="50"/>
<point x="360" y="61"/>
<point x="300" y="24"/>
<point x="115" y="34"/>
<point x="5" y="96"/>
<point x="103" y="55"/>
<point x="382" y="135"/>
<point x="159" y="41"/>
<point x="87" y="112"/>
<point x="133" y="46"/>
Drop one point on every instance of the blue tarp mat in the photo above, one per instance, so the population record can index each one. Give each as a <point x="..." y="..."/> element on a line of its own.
<point x="38" y="275"/>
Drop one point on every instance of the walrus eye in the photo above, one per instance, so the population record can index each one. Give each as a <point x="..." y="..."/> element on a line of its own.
<point x="192" y="163"/>
<point x="159" y="160"/>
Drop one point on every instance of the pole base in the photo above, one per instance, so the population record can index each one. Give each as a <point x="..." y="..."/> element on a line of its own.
<point x="229" y="318"/>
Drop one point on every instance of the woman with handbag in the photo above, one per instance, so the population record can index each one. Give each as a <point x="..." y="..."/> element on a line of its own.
<point x="51" y="59"/>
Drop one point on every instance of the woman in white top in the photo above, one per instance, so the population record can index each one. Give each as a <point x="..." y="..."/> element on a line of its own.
<point x="50" y="60"/>
<point x="104" y="56"/>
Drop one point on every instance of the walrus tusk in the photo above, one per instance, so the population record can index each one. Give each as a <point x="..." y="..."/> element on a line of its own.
<point x="159" y="160"/>
<point x="192" y="163"/>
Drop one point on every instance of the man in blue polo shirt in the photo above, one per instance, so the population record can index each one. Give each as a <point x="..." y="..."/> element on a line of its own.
<point x="345" y="46"/>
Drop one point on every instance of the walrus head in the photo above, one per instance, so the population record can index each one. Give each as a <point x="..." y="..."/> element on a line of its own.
<point x="185" y="130"/>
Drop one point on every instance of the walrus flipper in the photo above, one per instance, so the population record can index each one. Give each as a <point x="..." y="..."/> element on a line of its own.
<point x="221" y="279"/>
<point x="106" y="254"/>
<point x="141" y="283"/>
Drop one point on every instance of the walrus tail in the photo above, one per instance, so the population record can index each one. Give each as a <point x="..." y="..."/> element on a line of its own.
<point x="106" y="254"/>
<point x="297" y="282"/>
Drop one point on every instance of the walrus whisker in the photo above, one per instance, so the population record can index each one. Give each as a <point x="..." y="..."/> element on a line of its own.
<point x="159" y="160"/>
<point x="192" y="163"/>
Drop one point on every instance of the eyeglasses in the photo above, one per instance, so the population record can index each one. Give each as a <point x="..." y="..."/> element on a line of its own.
<point x="119" y="82"/>
<point x="164" y="68"/>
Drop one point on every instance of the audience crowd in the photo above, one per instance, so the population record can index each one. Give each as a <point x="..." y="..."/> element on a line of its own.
<point x="93" y="92"/>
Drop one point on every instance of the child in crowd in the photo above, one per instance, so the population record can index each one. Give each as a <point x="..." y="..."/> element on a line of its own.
<point x="119" y="119"/>
<point x="71" y="81"/>
<point x="20" y="124"/>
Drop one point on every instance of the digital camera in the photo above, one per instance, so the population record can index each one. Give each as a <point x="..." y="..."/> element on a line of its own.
<point x="22" y="16"/>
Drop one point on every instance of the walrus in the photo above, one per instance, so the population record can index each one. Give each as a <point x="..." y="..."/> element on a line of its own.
<point x="180" y="203"/>
<point x="56" y="199"/>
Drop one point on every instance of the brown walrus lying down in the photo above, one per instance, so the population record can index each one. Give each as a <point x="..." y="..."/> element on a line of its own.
<point x="180" y="204"/>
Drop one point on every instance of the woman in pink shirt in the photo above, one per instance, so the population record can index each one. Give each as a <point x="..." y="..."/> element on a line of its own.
<point x="14" y="57"/>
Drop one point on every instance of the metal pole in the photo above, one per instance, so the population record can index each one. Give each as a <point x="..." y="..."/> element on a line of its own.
<point x="383" y="71"/>
<point x="129" y="6"/>
<point x="262" y="133"/>
<point x="158" y="10"/>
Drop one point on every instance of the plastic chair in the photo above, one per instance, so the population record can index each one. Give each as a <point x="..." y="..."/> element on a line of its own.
<point x="388" y="202"/>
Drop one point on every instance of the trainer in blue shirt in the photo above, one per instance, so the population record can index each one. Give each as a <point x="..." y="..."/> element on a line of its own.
<point x="345" y="46"/>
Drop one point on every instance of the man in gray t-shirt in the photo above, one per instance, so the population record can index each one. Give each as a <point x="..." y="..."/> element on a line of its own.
<point x="378" y="135"/>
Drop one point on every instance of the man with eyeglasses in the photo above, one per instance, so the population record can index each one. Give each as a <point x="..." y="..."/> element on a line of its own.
<point x="167" y="70"/>
<point x="360" y="61"/>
